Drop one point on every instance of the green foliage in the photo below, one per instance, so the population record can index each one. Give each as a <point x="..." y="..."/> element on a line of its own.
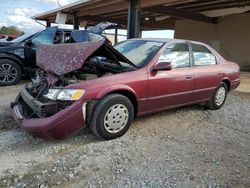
<point x="12" y="30"/>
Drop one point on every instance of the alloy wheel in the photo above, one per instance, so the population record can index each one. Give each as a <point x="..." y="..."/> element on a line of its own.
<point x="220" y="96"/>
<point x="8" y="73"/>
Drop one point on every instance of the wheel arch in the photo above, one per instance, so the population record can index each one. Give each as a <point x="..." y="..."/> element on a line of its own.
<point x="131" y="96"/>
<point x="227" y="82"/>
<point x="14" y="59"/>
<point x="122" y="90"/>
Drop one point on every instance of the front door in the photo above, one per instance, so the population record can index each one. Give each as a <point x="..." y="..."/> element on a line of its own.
<point x="169" y="88"/>
<point x="46" y="36"/>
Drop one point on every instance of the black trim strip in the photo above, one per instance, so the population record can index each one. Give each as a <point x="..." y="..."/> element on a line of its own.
<point x="180" y="93"/>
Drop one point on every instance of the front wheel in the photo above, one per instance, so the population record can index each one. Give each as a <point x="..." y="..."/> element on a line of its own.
<point x="219" y="97"/>
<point x="10" y="72"/>
<point x="112" y="116"/>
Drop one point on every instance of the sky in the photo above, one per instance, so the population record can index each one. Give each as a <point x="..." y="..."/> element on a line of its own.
<point x="19" y="12"/>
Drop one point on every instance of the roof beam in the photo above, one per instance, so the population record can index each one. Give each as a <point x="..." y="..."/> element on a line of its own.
<point x="165" y="24"/>
<point x="181" y="14"/>
<point x="195" y="4"/>
<point x="210" y="4"/>
<point x="125" y="14"/>
<point x="121" y="6"/>
<point x="149" y="3"/>
<point x="218" y="7"/>
<point x="103" y="9"/>
<point x="198" y="3"/>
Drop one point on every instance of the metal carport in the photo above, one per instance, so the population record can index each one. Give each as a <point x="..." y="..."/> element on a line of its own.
<point x="207" y="21"/>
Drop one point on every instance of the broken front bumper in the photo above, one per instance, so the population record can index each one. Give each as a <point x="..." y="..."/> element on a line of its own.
<point x="58" y="126"/>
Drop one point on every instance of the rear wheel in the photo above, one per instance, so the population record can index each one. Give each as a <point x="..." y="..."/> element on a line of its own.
<point x="219" y="97"/>
<point x="10" y="72"/>
<point x="112" y="117"/>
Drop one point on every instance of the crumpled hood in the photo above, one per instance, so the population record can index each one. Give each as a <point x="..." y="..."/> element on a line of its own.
<point x="64" y="58"/>
<point x="61" y="59"/>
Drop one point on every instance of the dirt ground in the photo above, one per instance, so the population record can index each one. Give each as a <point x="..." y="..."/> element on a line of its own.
<point x="184" y="147"/>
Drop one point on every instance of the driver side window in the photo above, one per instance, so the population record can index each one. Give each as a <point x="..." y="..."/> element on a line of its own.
<point x="176" y="54"/>
<point x="45" y="37"/>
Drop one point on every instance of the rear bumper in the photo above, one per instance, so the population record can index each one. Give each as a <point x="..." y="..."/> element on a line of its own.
<point x="234" y="84"/>
<point x="58" y="126"/>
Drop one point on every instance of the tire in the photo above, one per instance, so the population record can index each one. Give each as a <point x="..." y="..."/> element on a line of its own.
<point x="219" y="97"/>
<point x="10" y="72"/>
<point x="112" y="117"/>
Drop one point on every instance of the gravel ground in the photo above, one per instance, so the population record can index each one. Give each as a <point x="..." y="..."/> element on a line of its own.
<point x="184" y="147"/>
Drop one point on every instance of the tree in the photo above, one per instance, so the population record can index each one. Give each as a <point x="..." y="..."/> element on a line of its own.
<point x="12" y="30"/>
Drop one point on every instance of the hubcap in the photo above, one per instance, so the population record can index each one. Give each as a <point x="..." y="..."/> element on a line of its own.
<point x="116" y="118"/>
<point x="220" y="96"/>
<point x="7" y="73"/>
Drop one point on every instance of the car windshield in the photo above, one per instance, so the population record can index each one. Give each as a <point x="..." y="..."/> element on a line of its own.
<point x="22" y="38"/>
<point x="139" y="52"/>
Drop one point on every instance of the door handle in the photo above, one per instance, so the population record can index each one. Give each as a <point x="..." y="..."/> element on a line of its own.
<point x="189" y="77"/>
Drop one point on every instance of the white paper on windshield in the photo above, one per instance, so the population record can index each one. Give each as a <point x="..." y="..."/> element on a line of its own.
<point x="154" y="43"/>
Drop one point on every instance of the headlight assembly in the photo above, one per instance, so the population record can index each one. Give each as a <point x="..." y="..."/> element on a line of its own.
<point x="65" y="94"/>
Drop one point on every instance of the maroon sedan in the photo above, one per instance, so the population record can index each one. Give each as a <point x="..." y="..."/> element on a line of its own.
<point x="94" y="84"/>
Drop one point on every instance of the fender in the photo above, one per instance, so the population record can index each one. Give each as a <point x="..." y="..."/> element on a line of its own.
<point x="14" y="58"/>
<point x="226" y="78"/>
<point x="94" y="98"/>
<point x="114" y="88"/>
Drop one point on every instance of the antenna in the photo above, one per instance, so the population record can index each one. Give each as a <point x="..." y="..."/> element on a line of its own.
<point x="59" y="3"/>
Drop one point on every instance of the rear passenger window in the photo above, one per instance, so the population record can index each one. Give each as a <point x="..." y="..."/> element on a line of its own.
<point x="177" y="55"/>
<point x="203" y="56"/>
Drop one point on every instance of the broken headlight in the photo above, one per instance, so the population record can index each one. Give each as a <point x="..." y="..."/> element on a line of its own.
<point x="65" y="94"/>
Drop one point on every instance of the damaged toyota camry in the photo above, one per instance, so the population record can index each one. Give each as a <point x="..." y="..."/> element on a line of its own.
<point x="104" y="87"/>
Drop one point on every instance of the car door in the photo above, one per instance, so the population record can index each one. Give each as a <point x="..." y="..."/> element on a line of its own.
<point x="208" y="72"/>
<point x="46" y="36"/>
<point x="172" y="87"/>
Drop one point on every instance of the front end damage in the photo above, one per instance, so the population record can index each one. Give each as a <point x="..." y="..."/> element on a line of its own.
<point x="45" y="118"/>
<point x="47" y="107"/>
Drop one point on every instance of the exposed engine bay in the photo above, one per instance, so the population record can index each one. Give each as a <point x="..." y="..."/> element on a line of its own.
<point x="94" y="68"/>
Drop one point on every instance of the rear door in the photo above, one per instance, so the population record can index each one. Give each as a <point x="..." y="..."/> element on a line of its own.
<point x="172" y="87"/>
<point x="207" y="70"/>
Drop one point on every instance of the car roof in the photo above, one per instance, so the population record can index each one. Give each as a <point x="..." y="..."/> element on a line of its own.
<point x="62" y="29"/>
<point x="166" y="40"/>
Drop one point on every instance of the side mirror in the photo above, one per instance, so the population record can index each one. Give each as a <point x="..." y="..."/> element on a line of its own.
<point x="28" y="42"/>
<point x="161" y="66"/>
